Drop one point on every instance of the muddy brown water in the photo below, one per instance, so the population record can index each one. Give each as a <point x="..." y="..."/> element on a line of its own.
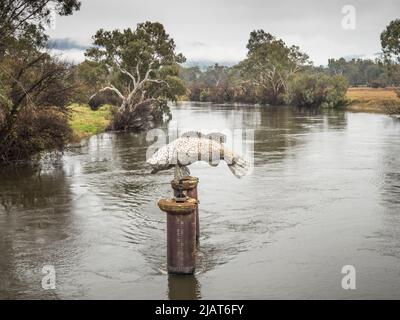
<point x="324" y="193"/>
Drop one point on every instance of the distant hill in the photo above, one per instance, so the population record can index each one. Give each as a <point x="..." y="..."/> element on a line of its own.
<point x="204" y="64"/>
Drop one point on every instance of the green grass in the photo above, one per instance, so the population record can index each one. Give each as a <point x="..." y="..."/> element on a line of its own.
<point x="86" y="122"/>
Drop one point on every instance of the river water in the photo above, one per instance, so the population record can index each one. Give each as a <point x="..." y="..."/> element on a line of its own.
<point x="324" y="193"/>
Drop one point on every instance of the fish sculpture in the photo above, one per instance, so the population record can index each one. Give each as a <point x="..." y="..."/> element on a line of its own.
<point x="195" y="146"/>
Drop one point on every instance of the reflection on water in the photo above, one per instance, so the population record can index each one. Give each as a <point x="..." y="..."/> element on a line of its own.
<point x="183" y="287"/>
<point x="324" y="193"/>
<point x="34" y="218"/>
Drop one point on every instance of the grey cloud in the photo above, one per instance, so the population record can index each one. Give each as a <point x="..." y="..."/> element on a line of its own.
<point x="65" y="44"/>
<point x="218" y="30"/>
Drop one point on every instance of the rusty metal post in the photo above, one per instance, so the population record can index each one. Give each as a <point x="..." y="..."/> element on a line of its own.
<point x="190" y="190"/>
<point x="181" y="235"/>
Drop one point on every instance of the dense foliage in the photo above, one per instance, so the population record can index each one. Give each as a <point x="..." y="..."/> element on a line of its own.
<point x="390" y="40"/>
<point x="317" y="89"/>
<point x="365" y="72"/>
<point x="34" y="87"/>
<point x="270" y="66"/>
<point x="273" y="73"/>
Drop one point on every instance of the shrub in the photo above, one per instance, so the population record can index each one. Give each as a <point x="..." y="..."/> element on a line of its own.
<point x="377" y="84"/>
<point x="35" y="130"/>
<point x="141" y="117"/>
<point x="204" y="96"/>
<point x="392" y="110"/>
<point x="161" y="109"/>
<point x="104" y="98"/>
<point x="398" y="92"/>
<point x="317" y="90"/>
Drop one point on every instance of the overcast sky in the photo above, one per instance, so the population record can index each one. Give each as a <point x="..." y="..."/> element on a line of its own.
<point x="218" y="30"/>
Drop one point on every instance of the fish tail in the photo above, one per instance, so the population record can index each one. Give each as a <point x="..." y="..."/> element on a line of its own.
<point x="239" y="166"/>
<point x="216" y="136"/>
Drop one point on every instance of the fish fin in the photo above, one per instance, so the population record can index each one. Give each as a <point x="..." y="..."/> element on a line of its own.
<point x="192" y="134"/>
<point x="216" y="136"/>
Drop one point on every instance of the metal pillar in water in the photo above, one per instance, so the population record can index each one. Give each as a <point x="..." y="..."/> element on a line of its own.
<point x="189" y="186"/>
<point x="181" y="234"/>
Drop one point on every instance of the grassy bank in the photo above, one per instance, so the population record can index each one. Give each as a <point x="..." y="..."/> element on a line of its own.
<point x="382" y="100"/>
<point x="86" y="122"/>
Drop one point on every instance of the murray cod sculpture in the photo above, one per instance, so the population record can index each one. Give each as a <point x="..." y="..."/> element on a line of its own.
<point x="195" y="146"/>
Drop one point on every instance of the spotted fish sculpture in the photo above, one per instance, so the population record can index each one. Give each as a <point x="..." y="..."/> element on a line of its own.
<point x="195" y="146"/>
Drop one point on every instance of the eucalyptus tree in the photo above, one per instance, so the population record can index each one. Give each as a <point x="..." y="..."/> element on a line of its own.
<point x="141" y="65"/>
<point x="390" y="40"/>
<point x="337" y="66"/>
<point x="270" y="65"/>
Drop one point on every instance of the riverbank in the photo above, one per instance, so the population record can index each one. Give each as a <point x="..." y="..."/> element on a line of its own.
<point x="381" y="100"/>
<point x="86" y="122"/>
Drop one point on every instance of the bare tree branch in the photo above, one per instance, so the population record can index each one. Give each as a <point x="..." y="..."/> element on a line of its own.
<point x="110" y="88"/>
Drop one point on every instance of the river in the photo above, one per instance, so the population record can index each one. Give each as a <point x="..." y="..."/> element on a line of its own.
<point x="324" y="193"/>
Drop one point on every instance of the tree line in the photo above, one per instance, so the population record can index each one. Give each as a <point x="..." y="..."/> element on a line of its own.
<point x="378" y="73"/>
<point x="275" y="73"/>
<point x="272" y="73"/>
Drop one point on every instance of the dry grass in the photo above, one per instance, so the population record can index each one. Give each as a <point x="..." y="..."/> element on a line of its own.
<point x="382" y="100"/>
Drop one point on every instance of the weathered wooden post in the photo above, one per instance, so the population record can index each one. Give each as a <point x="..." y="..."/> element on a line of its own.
<point x="189" y="186"/>
<point x="181" y="234"/>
